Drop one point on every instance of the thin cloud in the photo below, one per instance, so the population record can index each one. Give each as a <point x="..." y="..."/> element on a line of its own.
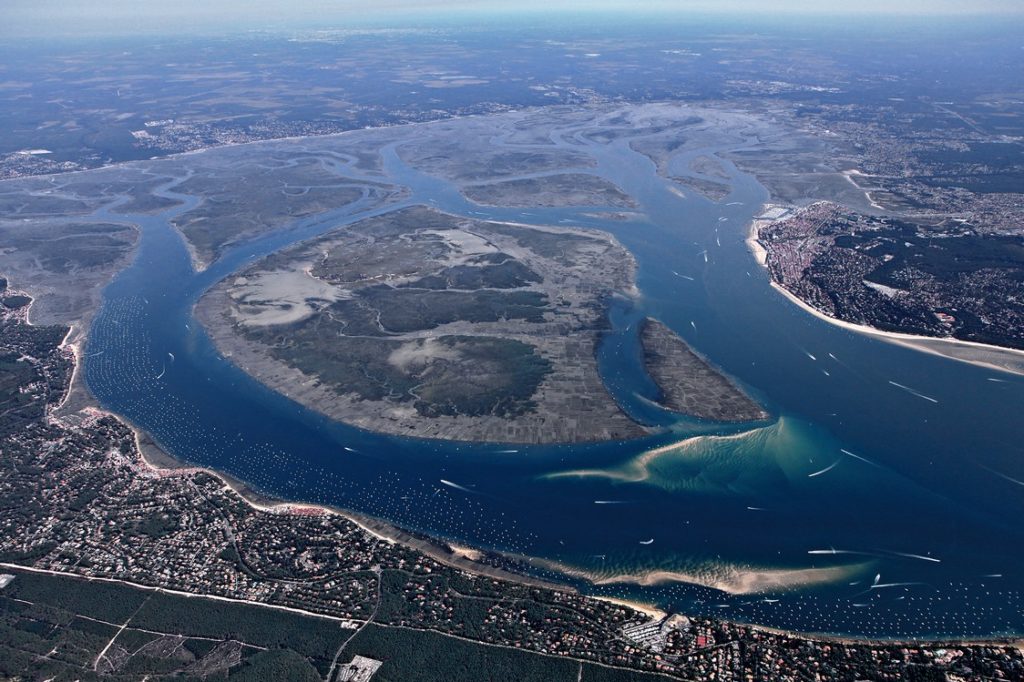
<point x="45" y="17"/>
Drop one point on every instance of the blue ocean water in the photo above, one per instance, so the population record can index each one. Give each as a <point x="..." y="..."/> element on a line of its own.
<point x="889" y="514"/>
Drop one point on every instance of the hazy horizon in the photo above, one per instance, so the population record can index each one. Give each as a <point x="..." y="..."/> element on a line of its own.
<point x="38" y="18"/>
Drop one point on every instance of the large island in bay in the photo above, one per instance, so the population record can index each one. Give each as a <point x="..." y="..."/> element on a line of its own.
<point x="426" y="324"/>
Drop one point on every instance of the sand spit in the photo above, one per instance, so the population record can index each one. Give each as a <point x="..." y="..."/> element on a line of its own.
<point x="734" y="580"/>
<point x="740" y="581"/>
<point x="688" y="382"/>
<point x="638" y="469"/>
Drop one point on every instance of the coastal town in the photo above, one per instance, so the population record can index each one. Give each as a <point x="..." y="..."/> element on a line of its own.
<point x="944" y="280"/>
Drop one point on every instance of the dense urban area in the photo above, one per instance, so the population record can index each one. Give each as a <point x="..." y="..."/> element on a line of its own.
<point x="945" y="280"/>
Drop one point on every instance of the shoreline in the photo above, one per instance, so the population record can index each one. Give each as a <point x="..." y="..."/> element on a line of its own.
<point x="75" y="348"/>
<point x="854" y="641"/>
<point x="647" y="609"/>
<point x="951" y="348"/>
<point x="199" y="266"/>
<point x="460" y="556"/>
<point x="161" y="463"/>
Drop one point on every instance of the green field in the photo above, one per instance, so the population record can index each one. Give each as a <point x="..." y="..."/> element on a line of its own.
<point x="54" y="627"/>
<point x="423" y="656"/>
<point x="51" y="627"/>
<point x="314" y="638"/>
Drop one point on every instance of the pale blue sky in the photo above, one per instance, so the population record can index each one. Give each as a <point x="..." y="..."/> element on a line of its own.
<point x="41" y="17"/>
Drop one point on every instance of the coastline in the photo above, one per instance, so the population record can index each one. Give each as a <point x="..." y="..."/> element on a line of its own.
<point x="155" y="460"/>
<point x="953" y="349"/>
<point x="75" y="348"/>
<point x="971" y="352"/>
<point x="646" y="609"/>
<point x="854" y="641"/>
<point x="160" y="463"/>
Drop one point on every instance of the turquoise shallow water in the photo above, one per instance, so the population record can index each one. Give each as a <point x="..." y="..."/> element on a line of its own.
<point x="901" y="531"/>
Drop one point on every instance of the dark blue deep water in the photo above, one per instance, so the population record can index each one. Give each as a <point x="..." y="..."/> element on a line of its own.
<point x="919" y="510"/>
